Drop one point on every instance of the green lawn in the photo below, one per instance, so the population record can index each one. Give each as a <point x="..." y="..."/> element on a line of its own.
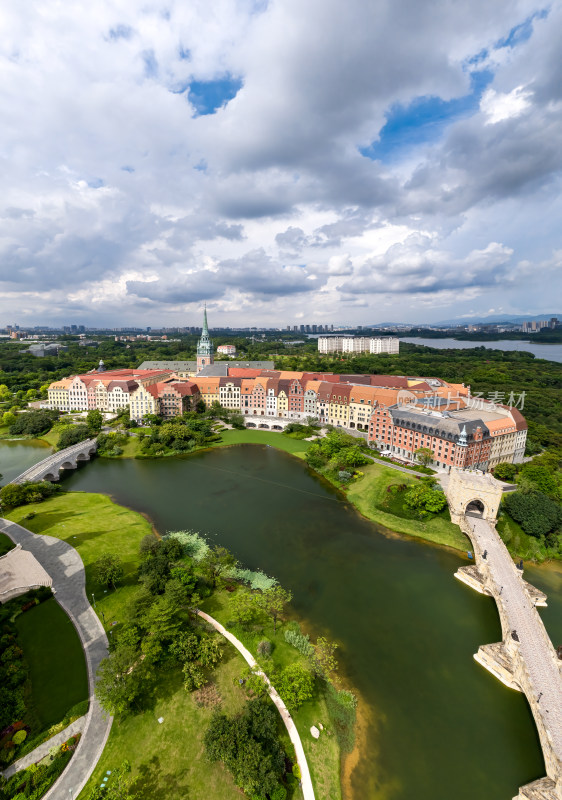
<point x="323" y="755"/>
<point x="168" y="759"/>
<point x="6" y="544"/>
<point x="297" y="447"/>
<point x="93" y="524"/>
<point x="369" y="493"/>
<point x="57" y="667"/>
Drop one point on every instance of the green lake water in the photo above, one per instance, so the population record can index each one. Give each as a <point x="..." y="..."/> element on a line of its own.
<point x="438" y="726"/>
<point x="18" y="455"/>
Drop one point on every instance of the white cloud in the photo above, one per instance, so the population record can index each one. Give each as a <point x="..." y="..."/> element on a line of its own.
<point x="498" y="107"/>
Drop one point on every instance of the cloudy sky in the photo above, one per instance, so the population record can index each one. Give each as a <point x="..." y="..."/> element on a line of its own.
<point x="335" y="161"/>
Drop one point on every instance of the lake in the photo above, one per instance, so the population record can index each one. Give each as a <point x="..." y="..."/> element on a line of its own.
<point x="552" y="352"/>
<point x="437" y="725"/>
<point x="17" y="455"/>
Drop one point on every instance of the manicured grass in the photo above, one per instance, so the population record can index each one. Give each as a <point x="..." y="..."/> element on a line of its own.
<point x="323" y="755"/>
<point x="296" y="447"/>
<point x="369" y="493"/>
<point x="57" y="667"/>
<point x="93" y="524"/>
<point x="6" y="544"/>
<point x="52" y="436"/>
<point x="168" y="759"/>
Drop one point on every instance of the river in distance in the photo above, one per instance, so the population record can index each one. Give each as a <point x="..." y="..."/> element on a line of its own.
<point x="436" y="725"/>
<point x="551" y="352"/>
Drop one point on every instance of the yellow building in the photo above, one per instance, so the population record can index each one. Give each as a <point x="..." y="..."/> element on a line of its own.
<point x="59" y="394"/>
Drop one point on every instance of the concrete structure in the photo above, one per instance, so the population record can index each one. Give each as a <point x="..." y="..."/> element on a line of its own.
<point x="358" y="344"/>
<point x="525" y="659"/>
<point x="475" y="493"/>
<point x="49" y="468"/>
<point x="19" y="572"/>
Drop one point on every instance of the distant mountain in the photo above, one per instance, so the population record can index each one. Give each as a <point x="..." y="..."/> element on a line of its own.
<point x="517" y="319"/>
<point x="468" y="321"/>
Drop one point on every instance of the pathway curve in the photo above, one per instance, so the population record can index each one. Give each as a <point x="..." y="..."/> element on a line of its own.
<point x="307" y="788"/>
<point x="42" y="750"/>
<point x="66" y="568"/>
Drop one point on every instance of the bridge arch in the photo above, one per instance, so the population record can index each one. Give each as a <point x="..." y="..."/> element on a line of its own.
<point x="476" y="508"/>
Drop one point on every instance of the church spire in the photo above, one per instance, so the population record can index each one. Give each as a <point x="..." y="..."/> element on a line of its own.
<point x="204" y="345"/>
<point x="205" y="330"/>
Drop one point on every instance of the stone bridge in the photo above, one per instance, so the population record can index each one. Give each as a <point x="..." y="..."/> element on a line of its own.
<point x="268" y="423"/>
<point x="525" y="659"/>
<point x="49" y="468"/>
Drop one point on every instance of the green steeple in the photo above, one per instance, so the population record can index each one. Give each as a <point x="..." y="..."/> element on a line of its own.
<point x="205" y="344"/>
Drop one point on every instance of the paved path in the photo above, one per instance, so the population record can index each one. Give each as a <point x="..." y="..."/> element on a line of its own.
<point x="535" y="647"/>
<point x="43" y="749"/>
<point x="65" y="567"/>
<point x="399" y="468"/>
<point x="307" y="788"/>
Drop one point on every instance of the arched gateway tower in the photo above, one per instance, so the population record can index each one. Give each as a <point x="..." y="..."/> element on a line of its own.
<point x="204" y="346"/>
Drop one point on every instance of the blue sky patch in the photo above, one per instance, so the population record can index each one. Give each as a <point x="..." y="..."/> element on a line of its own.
<point x="424" y="120"/>
<point x="208" y="96"/>
<point x="121" y="32"/>
<point x="522" y="32"/>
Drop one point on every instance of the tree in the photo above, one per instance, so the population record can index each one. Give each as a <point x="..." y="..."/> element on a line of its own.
<point x="246" y="607"/>
<point x="295" y="684"/>
<point x="273" y="601"/>
<point x="424" y="455"/>
<point x="94" y="421"/>
<point x="108" y="569"/>
<point x="216" y="561"/>
<point x="121" y="680"/>
<point x="12" y="495"/>
<point x="73" y="434"/>
<point x="322" y="659"/>
<point x="540" y="478"/>
<point x="505" y="471"/>
<point x="8" y="418"/>
<point x="425" y="499"/>
<point x="537" y="513"/>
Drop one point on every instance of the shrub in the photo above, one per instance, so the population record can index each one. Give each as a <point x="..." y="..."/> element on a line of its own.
<point x="254" y="578"/>
<point x="300" y="641"/>
<point x="264" y="648"/>
<point x="19" y="737"/>
<point x="73" y="434"/>
<point x="194" y="545"/>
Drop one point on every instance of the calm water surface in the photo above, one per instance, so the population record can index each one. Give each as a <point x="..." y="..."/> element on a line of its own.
<point x="552" y="352"/>
<point x="438" y="725"/>
<point x="17" y="456"/>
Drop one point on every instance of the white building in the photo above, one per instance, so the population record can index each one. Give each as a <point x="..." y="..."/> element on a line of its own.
<point x="358" y="344"/>
<point x="226" y="349"/>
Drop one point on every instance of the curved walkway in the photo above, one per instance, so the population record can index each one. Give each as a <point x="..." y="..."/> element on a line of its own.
<point x="65" y="567"/>
<point x="307" y="789"/>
